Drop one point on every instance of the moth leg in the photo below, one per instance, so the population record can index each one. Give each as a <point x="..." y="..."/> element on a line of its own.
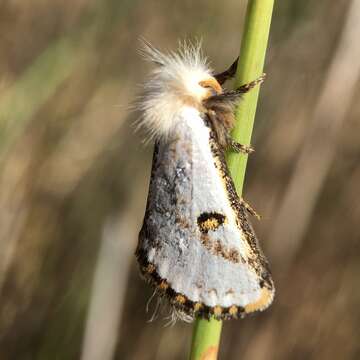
<point x="237" y="147"/>
<point x="234" y="95"/>
<point x="219" y="128"/>
<point x="240" y="148"/>
<point x="227" y="74"/>
<point x="250" y="209"/>
<point x="224" y="138"/>
<point x="247" y="87"/>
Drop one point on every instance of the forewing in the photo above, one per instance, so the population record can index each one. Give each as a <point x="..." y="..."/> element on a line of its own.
<point x="196" y="244"/>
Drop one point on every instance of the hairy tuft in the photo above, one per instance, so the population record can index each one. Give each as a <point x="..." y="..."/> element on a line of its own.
<point x="173" y="84"/>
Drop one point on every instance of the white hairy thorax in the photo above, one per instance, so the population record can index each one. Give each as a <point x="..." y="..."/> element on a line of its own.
<point x="173" y="85"/>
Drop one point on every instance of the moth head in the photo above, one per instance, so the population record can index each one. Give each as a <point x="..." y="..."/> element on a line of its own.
<point x="196" y="85"/>
<point x="181" y="78"/>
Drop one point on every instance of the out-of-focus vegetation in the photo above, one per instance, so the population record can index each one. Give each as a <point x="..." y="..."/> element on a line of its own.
<point x="74" y="176"/>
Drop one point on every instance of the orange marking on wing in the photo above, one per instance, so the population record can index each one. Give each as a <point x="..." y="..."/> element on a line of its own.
<point x="263" y="302"/>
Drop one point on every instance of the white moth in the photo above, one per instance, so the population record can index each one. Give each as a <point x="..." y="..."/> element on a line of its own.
<point x="196" y="246"/>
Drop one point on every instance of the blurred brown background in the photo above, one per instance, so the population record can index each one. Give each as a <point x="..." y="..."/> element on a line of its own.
<point x="74" y="177"/>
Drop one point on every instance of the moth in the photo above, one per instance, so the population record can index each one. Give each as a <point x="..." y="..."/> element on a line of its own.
<point x="196" y="245"/>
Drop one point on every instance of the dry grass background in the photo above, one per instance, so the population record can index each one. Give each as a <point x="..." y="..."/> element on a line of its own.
<point x="74" y="176"/>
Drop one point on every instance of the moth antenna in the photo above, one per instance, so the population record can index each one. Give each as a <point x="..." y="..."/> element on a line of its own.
<point x="227" y="74"/>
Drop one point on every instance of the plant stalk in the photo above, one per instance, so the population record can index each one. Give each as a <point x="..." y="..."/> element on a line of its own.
<point x="206" y="334"/>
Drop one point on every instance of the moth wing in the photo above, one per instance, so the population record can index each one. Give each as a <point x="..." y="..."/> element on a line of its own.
<point x="196" y="243"/>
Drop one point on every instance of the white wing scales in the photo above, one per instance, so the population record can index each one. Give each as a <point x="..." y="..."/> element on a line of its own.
<point x="198" y="246"/>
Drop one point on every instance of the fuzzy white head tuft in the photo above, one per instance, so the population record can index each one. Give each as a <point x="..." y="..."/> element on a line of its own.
<point x="174" y="84"/>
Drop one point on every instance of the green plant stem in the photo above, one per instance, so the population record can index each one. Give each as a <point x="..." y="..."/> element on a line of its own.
<point x="250" y="67"/>
<point x="206" y="335"/>
<point x="206" y="339"/>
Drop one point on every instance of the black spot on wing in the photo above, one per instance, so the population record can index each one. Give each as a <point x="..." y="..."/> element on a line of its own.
<point x="210" y="221"/>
